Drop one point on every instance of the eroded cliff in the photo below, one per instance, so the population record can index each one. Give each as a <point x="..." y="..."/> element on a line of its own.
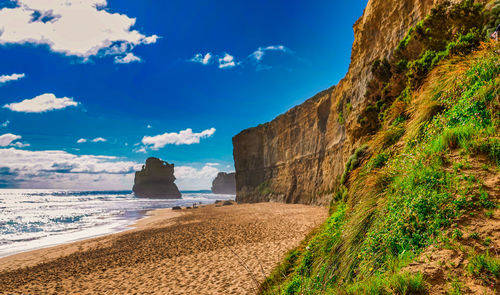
<point x="224" y="183"/>
<point x="299" y="156"/>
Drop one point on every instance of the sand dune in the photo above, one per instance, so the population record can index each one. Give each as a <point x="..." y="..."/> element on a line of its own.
<point x="210" y="250"/>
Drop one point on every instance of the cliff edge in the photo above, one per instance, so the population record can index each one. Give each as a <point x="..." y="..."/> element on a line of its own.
<point x="299" y="157"/>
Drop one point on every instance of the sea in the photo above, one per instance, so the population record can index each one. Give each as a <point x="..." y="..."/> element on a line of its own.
<point x="32" y="219"/>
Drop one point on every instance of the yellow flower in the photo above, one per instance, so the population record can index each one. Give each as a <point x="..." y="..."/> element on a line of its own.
<point x="371" y="268"/>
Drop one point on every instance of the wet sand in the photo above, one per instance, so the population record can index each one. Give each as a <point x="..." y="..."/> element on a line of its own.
<point x="209" y="250"/>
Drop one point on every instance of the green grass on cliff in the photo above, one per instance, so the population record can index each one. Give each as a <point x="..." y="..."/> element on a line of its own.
<point x="404" y="195"/>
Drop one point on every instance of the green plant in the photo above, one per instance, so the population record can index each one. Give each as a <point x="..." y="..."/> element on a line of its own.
<point x="264" y="188"/>
<point x="489" y="213"/>
<point x="353" y="162"/>
<point x="457" y="234"/>
<point x="379" y="160"/>
<point x="456" y="287"/>
<point x="484" y="266"/>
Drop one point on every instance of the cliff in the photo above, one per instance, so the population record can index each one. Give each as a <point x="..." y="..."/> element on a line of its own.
<point x="414" y="209"/>
<point x="224" y="183"/>
<point x="300" y="156"/>
<point x="156" y="180"/>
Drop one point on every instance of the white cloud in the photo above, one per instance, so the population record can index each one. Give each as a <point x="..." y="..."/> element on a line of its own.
<point x="63" y="170"/>
<point x="141" y="150"/>
<point x="12" y="77"/>
<point x="261" y="51"/>
<point x="20" y="144"/>
<point x="149" y="126"/>
<point x="99" y="139"/>
<point x="7" y="139"/>
<point x="5" y="124"/>
<point x="212" y="164"/>
<point x="81" y="140"/>
<point x="226" y="62"/>
<point x="183" y="137"/>
<point x="71" y="27"/>
<point x="199" y="58"/>
<point x="189" y="178"/>
<point x="60" y="169"/>
<point x="42" y="103"/>
<point x="128" y="58"/>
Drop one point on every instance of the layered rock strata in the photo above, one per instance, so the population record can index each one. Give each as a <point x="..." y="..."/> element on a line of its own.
<point x="299" y="156"/>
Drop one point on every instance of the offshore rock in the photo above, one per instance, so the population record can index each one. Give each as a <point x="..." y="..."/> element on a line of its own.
<point x="156" y="180"/>
<point x="224" y="183"/>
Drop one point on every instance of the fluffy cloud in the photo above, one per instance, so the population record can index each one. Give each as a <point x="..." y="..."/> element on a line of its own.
<point x="7" y="139"/>
<point x="60" y="169"/>
<point x="42" y="103"/>
<point x="227" y="61"/>
<point x="199" y="58"/>
<point x="183" y="137"/>
<point x="81" y="140"/>
<point x="71" y="27"/>
<point x="5" y="124"/>
<point x="128" y="58"/>
<point x="189" y="178"/>
<point x="13" y="77"/>
<point x="63" y="170"/>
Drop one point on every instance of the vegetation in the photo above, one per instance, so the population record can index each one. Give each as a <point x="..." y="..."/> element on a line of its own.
<point x="406" y="187"/>
<point x="484" y="266"/>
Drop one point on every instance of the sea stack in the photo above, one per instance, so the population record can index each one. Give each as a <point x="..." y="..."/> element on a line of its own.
<point x="156" y="180"/>
<point x="224" y="183"/>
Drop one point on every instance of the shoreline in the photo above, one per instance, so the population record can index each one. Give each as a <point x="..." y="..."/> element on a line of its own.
<point x="169" y="252"/>
<point x="148" y="219"/>
<point x="126" y="225"/>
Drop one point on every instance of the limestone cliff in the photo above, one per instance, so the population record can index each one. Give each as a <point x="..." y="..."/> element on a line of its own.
<point x="224" y="183"/>
<point x="156" y="180"/>
<point x="299" y="156"/>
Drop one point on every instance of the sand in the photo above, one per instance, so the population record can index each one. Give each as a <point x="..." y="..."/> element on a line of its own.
<point x="209" y="250"/>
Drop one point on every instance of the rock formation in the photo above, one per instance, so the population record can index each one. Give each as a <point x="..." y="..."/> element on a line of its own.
<point x="299" y="156"/>
<point x="156" y="180"/>
<point x="224" y="183"/>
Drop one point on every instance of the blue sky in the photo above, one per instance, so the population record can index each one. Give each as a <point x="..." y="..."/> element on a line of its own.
<point x="171" y="79"/>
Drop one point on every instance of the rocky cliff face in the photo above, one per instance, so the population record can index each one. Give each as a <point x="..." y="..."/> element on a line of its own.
<point x="299" y="156"/>
<point x="156" y="180"/>
<point x="224" y="183"/>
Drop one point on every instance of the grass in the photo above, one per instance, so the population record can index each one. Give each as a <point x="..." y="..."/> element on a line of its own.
<point x="353" y="162"/>
<point x="484" y="266"/>
<point x="403" y="284"/>
<point x="392" y="204"/>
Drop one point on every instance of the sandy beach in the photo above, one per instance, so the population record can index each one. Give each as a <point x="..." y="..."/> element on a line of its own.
<point x="209" y="250"/>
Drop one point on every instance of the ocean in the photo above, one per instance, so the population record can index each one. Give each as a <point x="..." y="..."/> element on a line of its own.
<point x="32" y="219"/>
